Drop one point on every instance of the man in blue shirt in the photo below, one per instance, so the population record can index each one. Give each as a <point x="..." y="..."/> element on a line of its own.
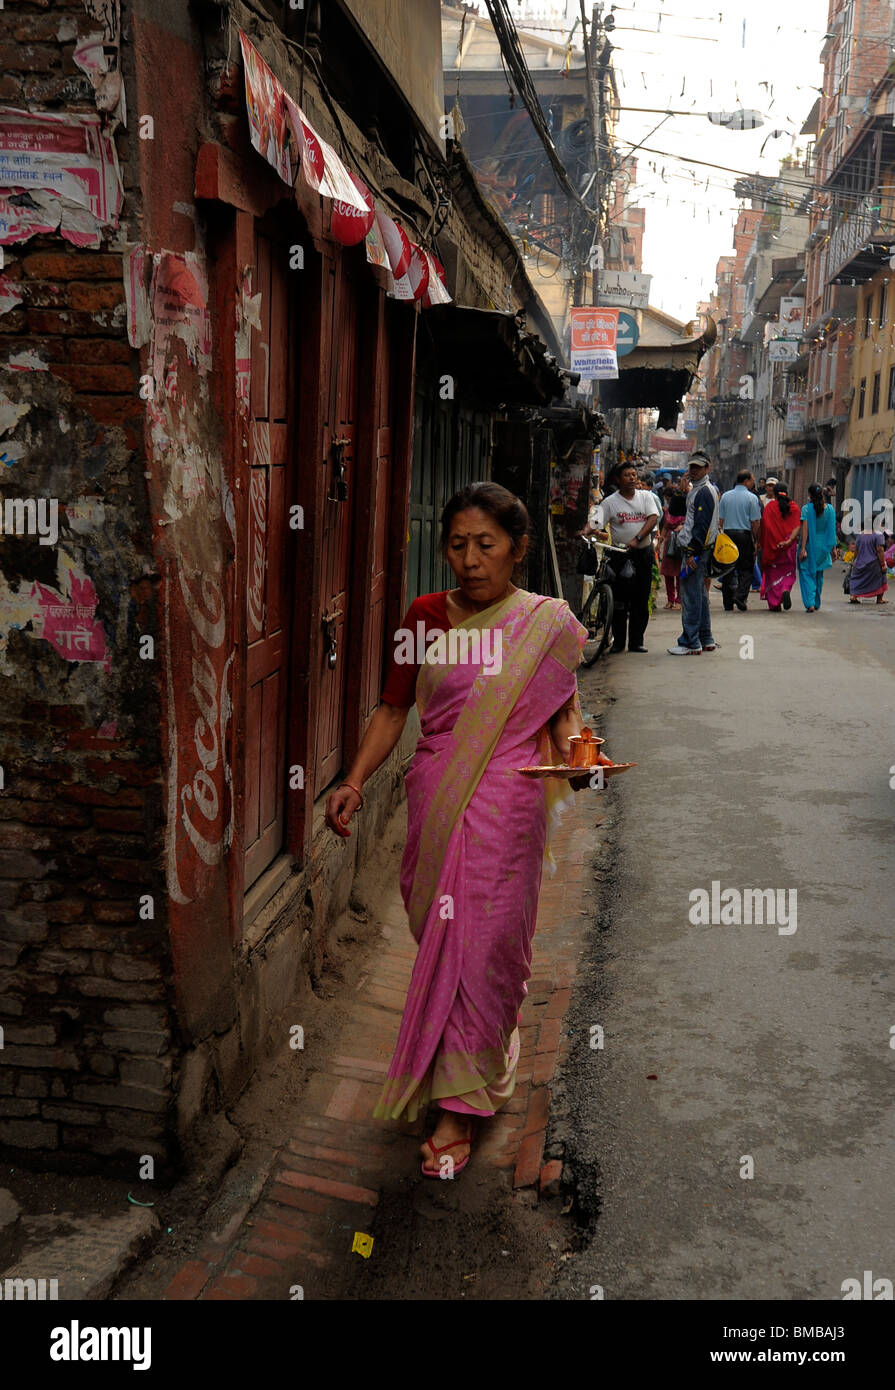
<point x="740" y="518"/>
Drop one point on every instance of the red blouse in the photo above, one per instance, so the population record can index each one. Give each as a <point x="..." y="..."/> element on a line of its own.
<point x="400" y="683"/>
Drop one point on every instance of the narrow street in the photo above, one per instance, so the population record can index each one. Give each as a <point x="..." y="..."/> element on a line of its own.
<point x="341" y="340"/>
<point x="767" y="773"/>
<point x="721" y="1042"/>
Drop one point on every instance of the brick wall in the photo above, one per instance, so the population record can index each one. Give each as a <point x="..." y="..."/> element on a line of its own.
<point x="84" y="970"/>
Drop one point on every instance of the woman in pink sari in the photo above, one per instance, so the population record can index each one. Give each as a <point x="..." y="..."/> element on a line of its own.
<point x="496" y="690"/>
<point x="781" y="521"/>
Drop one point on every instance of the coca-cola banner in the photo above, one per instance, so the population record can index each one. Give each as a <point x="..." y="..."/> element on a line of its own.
<point x="282" y="133"/>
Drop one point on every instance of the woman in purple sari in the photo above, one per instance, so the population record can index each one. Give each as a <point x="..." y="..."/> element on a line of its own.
<point x="496" y="690"/>
<point x="868" y="577"/>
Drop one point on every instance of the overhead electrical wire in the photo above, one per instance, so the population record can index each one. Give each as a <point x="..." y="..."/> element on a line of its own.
<point x="512" y="54"/>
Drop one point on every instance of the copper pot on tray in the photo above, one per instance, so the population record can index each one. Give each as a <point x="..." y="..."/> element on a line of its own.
<point x="583" y="748"/>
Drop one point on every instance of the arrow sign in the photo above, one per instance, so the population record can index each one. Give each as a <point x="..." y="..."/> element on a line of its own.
<point x="628" y="333"/>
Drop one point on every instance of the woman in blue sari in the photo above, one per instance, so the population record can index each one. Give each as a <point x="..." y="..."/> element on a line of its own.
<point x="817" y="546"/>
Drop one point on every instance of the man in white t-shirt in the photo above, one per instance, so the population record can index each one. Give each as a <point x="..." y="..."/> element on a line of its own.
<point x="632" y="513"/>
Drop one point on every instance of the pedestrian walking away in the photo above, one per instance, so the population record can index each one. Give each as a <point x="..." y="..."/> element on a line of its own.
<point x="669" y="550"/>
<point x="697" y="537"/>
<point x="477" y="836"/>
<point x="632" y="513"/>
<point x="740" y="512"/>
<point x="780" y="524"/>
<point x="869" y="578"/>
<point x="817" y="547"/>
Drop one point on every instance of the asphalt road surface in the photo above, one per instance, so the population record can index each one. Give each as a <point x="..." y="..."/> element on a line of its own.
<point x="764" y="772"/>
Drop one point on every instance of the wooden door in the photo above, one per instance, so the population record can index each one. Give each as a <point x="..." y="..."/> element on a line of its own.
<point x="381" y="493"/>
<point x="339" y="436"/>
<point x="267" y="578"/>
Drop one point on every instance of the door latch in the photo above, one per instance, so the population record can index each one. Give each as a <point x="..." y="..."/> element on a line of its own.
<point x="329" y="636"/>
<point x="340" y="462"/>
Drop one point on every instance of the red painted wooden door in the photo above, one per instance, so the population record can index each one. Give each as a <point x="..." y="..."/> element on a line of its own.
<point x="378" y="580"/>
<point x="267" y="609"/>
<point x="339" y="436"/>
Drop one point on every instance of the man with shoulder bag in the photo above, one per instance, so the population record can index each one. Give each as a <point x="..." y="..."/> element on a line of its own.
<point x="697" y="539"/>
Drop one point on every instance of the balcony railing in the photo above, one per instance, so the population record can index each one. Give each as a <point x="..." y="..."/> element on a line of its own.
<point x="852" y="254"/>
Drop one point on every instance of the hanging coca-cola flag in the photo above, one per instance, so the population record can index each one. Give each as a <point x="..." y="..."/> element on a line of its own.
<point x="307" y="142"/>
<point x="436" y="287"/>
<point x="375" y="246"/>
<point x="266" y="111"/>
<point x="397" y="245"/>
<point x="418" y="271"/>
<point x="348" y="224"/>
<point x="339" y="185"/>
<point x="320" y="164"/>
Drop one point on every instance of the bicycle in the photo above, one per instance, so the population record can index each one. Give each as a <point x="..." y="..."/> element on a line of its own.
<point x="596" y="612"/>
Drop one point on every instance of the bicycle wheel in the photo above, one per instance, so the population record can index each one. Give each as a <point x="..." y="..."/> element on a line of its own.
<point x="596" y="616"/>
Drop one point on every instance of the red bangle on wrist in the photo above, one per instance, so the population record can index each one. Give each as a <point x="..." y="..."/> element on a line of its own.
<point x="354" y="789"/>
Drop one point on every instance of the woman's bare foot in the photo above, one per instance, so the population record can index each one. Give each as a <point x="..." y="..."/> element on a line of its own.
<point x="882" y="600"/>
<point x="450" y="1127"/>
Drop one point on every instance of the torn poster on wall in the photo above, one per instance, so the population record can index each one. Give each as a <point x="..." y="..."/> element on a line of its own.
<point x="9" y="295"/>
<point x="27" y="361"/>
<point x="179" y="298"/>
<point x="11" y="412"/>
<point x="136" y="298"/>
<point x="99" y="55"/>
<point x="71" y="627"/>
<point x="248" y="316"/>
<point x="64" y="616"/>
<point x="57" y="172"/>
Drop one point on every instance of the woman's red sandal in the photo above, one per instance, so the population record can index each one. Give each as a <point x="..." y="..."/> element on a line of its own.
<point x="436" y="1172"/>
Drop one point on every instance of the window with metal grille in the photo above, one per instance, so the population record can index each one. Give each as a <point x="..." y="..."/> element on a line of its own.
<point x="890" y="398"/>
<point x="862" y="396"/>
<point x="874" y="400"/>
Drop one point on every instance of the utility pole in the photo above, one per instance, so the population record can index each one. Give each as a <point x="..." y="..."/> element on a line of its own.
<point x="594" y="103"/>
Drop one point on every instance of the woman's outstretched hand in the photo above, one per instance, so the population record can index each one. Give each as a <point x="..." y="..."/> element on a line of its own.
<point x="340" y="807"/>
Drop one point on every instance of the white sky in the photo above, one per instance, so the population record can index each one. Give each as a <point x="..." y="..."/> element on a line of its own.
<point x="691" y="56"/>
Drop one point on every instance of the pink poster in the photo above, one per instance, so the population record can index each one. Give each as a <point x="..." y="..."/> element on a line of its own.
<point x="72" y="627"/>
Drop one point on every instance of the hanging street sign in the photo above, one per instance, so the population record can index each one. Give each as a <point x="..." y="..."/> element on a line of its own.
<point x="593" y="338"/>
<point x="783" y="350"/>
<point x="626" y="289"/>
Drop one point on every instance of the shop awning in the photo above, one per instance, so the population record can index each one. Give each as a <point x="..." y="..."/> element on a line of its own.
<point x="657" y="377"/>
<point x="492" y="358"/>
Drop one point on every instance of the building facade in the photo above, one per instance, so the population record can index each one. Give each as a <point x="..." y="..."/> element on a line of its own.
<point x="246" y="300"/>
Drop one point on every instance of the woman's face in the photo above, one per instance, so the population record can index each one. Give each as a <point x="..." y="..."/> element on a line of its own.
<point x="480" y="553"/>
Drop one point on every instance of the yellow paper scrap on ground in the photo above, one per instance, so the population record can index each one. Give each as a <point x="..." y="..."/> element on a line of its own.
<point x="363" y="1244"/>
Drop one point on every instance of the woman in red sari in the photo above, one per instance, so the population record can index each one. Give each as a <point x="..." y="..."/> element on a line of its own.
<point x="780" y="524"/>
<point x="496" y="690"/>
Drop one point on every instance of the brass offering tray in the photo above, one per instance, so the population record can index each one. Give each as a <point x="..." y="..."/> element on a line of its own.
<point x="584" y="757"/>
<point x="558" y="770"/>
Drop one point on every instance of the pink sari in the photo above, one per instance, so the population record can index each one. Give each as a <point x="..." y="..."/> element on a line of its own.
<point x="476" y="841"/>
